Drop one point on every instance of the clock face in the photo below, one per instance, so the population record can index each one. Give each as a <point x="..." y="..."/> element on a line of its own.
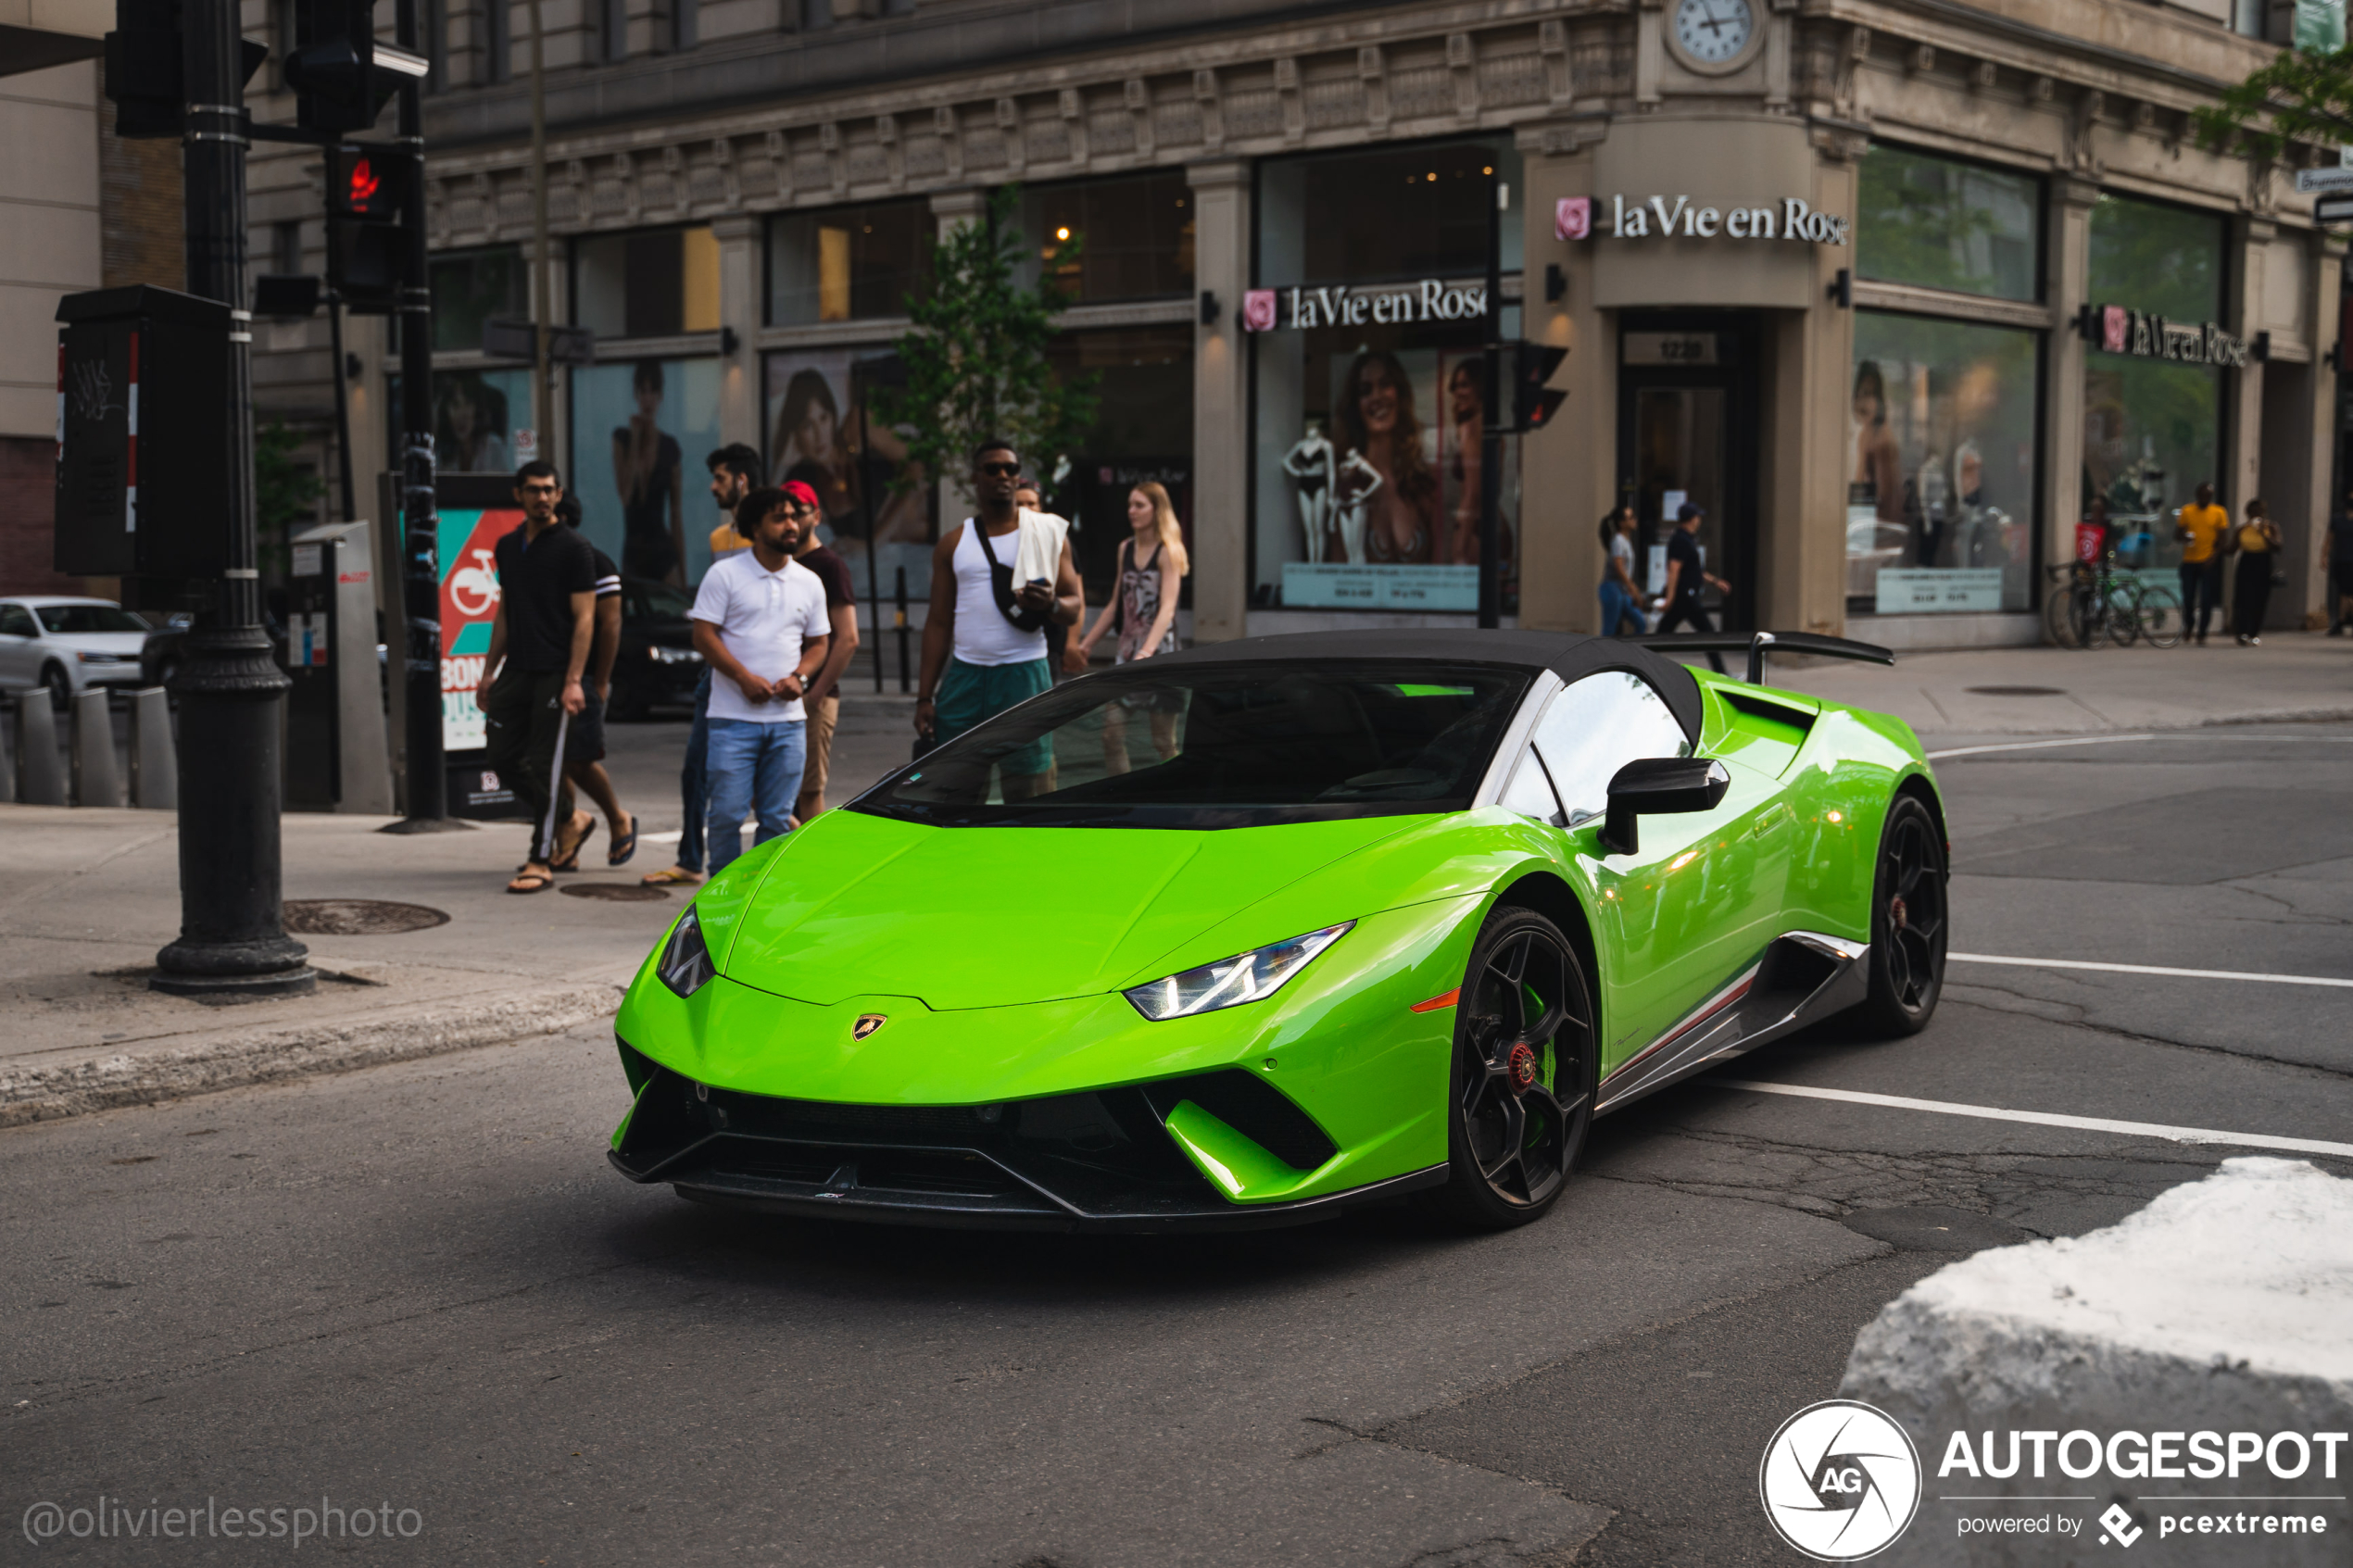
<point x="1713" y="32"/>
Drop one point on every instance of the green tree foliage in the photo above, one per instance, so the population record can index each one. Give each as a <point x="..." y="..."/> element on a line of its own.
<point x="976" y="356"/>
<point x="2305" y="96"/>
<point x="285" y="492"/>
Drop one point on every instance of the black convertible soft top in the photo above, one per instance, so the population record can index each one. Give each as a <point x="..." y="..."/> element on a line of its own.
<point x="1569" y="654"/>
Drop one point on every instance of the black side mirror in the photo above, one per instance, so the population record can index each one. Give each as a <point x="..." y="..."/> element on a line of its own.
<point x="1658" y="785"/>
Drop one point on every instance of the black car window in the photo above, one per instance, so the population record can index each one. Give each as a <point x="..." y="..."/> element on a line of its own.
<point x="69" y="619"/>
<point x="15" y="621"/>
<point x="1214" y="745"/>
<point x="645" y="599"/>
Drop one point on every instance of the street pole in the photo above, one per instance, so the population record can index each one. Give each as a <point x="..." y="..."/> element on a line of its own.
<point x="231" y="942"/>
<point x="428" y="782"/>
<point x="342" y="409"/>
<point x="1490" y="433"/>
<point x="543" y="391"/>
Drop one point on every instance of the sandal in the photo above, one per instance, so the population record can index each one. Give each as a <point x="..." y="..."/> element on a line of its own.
<point x="529" y="881"/>
<point x="569" y="860"/>
<point x="672" y="876"/>
<point x="623" y="845"/>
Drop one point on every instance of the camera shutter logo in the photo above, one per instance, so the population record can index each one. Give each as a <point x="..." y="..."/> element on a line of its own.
<point x="1840" y="1481"/>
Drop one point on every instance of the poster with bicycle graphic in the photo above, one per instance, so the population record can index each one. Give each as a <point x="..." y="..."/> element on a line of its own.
<point x="471" y="524"/>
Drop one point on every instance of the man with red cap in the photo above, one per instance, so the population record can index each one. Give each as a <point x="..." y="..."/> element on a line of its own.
<point x="823" y="701"/>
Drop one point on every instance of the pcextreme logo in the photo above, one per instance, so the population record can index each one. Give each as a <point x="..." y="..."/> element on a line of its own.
<point x="1840" y="1481"/>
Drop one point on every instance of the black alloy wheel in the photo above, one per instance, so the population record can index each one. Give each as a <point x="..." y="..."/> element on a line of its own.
<point x="1523" y="1083"/>
<point x="1908" y="922"/>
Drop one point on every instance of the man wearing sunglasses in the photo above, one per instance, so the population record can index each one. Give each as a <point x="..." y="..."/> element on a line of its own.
<point x="997" y="580"/>
<point x="531" y="681"/>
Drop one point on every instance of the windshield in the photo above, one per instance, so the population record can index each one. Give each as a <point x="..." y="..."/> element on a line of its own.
<point x="66" y="619"/>
<point x="1218" y="746"/>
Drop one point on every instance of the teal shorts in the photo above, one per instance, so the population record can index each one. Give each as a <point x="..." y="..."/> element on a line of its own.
<point x="971" y="692"/>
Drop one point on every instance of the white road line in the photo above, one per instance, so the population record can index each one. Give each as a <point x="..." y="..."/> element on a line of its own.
<point x="2155" y="969"/>
<point x="2034" y="745"/>
<point x="2047" y="1119"/>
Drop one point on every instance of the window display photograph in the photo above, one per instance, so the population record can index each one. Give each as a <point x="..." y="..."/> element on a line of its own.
<point x="816" y="436"/>
<point x="1940" y="466"/>
<point x="475" y="416"/>
<point x="1367" y="480"/>
<point x="639" y="433"/>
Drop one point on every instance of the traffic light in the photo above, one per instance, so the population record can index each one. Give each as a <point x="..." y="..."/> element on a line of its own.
<point x="342" y="78"/>
<point x="1533" y="404"/>
<point x="367" y="265"/>
<point x="144" y="70"/>
<point x="368" y="184"/>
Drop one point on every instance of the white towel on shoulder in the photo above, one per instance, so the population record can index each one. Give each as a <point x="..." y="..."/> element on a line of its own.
<point x="1039" y="552"/>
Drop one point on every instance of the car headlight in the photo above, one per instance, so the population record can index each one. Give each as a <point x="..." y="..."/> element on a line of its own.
<point x="661" y="655"/>
<point x="1231" y="981"/>
<point x="686" y="965"/>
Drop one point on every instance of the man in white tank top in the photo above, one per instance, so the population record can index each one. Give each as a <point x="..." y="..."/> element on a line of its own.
<point x="978" y="663"/>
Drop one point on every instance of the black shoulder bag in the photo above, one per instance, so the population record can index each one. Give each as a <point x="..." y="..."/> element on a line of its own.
<point x="1001" y="580"/>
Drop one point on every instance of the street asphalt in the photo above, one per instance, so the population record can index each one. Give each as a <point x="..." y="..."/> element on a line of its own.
<point x="420" y="1285"/>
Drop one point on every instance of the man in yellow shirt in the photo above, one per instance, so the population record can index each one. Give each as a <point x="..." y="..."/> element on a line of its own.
<point x="2200" y="528"/>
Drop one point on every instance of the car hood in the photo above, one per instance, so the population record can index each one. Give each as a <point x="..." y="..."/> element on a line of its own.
<point x="973" y="917"/>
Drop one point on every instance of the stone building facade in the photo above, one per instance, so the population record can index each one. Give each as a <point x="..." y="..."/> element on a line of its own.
<point x="1863" y="280"/>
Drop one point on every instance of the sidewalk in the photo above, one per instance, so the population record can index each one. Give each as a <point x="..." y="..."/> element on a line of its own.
<point x="92" y="894"/>
<point x="2294" y="676"/>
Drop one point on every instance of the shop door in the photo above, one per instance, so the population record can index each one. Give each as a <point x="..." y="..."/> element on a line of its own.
<point x="1687" y="432"/>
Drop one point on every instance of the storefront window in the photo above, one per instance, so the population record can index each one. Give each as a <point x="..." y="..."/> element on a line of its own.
<point x="2152" y="428"/>
<point x="815" y="434"/>
<point x="1940" y="465"/>
<point x="639" y="435"/>
<point x="847" y="263"/>
<point x="1367" y="451"/>
<point x="476" y="417"/>
<point x="1133" y="237"/>
<point x="654" y="285"/>
<point x="471" y="288"/>
<point x="1143" y="430"/>
<point x="1942" y="224"/>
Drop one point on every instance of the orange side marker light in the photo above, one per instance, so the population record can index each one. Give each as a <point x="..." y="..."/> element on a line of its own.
<point x="1435" y="1003"/>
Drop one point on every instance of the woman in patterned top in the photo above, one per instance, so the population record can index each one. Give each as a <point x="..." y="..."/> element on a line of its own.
<point x="1151" y="561"/>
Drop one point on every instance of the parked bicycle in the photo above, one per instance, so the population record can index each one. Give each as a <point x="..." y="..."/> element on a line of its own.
<point x="2090" y="603"/>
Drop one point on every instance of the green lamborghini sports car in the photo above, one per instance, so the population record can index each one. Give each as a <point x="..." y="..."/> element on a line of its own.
<point x="1248" y="933"/>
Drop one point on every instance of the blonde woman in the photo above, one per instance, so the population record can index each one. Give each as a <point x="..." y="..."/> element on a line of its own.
<point x="1151" y="559"/>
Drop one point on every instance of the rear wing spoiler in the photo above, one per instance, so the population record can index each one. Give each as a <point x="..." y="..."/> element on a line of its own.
<point x="1757" y="643"/>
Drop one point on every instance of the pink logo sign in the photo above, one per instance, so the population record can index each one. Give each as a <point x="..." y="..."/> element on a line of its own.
<point x="1258" y="310"/>
<point x="1572" y="218"/>
<point x="2112" y="326"/>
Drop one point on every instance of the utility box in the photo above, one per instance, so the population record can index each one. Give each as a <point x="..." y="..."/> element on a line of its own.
<point x="337" y="759"/>
<point x="144" y="388"/>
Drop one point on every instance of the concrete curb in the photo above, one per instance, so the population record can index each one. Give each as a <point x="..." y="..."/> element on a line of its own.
<point x="42" y="1094"/>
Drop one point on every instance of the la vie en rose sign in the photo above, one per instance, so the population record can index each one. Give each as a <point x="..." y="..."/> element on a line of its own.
<point x="1665" y="218"/>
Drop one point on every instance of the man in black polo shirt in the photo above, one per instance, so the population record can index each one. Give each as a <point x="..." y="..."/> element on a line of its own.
<point x="1688" y="577"/>
<point x="531" y="681"/>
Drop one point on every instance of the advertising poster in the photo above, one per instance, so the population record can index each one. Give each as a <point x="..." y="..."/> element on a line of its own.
<point x="474" y="515"/>
<point x="641" y="432"/>
<point x="814" y="435"/>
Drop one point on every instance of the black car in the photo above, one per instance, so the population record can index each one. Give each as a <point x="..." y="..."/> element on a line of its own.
<point x="658" y="665"/>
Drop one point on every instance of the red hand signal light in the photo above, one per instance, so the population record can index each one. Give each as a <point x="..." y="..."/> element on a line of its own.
<point x="364" y="184"/>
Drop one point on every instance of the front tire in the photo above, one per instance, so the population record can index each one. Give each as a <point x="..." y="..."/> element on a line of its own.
<point x="1909" y="923"/>
<point x="1520" y="1095"/>
<point x="59" y="686"/>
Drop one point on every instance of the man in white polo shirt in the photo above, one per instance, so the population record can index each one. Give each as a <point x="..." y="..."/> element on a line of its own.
<point x="759" y="623"/>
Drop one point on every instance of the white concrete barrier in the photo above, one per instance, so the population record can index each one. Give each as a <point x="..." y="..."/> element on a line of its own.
<point x="2186" y="1373"/>
<point x="40" y="777"/>
<point x="97" y="781"/>
<point x="155" y="764"/>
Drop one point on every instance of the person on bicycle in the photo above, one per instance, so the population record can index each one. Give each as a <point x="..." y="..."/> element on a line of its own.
<point x="2200" y="528"/>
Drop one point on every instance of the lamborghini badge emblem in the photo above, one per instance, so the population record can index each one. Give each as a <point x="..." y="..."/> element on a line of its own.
<point x="867" y="1023"/>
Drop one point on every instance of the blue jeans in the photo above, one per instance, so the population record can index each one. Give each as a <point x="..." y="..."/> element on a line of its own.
<point x="1616" y="605"/>
<point x="694" y="781"/>
<point x="753" y="767"/>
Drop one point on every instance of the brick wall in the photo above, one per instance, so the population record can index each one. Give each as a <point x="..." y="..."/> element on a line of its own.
<point x="28" y="478"/>
<point x="139" y="210"/>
